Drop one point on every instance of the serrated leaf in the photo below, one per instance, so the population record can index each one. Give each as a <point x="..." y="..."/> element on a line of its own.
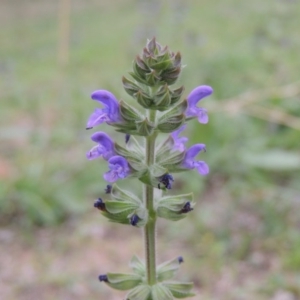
<point x="160" y="292"/>
<point x="180" y="290"/>
<point x="123" y="282"/>
<point x="137" y="266"/>
<point x="141" y="292"/>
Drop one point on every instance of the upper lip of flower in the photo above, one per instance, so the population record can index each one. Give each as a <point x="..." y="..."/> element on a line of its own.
<point x="105" y="146"/>
<point x="110" y="111"/>
<point x="193" y="98"/>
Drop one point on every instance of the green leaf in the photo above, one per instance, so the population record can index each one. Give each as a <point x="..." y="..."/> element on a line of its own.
<point x="116" y="207"/>
<point x="273" y="160"/>
<point x="137" y="266"/>
<point x="168" y="269"/>
<point x="157" y="170"/>
<point x="164" y="149"/>
<point x="121" y="218"/>
<point x="122" y="195"/>
<point x="170" y="207"/>
<point x="177" y="109"/>
<point x="129" y="113"/>
<point x="134" y="156"/>
<point x="141" y="292"/>
<point x="169" y="160"/>
<point x="171" y="124"/>
<point x="123" y="282"/>
<point x="160" y="292"/>
<point x="133" y="145"/>
<point x="144" y="99"/>
<point x="176" y="95"/>
<point x="144" y="127"/>
<point x="180" y="290"/>
<point x="130" y="87"/>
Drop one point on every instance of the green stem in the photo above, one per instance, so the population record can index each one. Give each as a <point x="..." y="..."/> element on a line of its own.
<point x="150" y="249"/>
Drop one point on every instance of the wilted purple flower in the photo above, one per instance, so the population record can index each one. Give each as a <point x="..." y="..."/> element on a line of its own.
<point x="119" y="169"/>
<point x="110" y="112"/>
<point x="193" y="98"/>
<point x="179" y="141"/>
<point x="190" y="163"/>
<point x="105" y="146"/>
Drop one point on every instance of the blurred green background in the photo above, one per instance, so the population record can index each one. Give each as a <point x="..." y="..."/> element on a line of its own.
<point x="243" y="239"/>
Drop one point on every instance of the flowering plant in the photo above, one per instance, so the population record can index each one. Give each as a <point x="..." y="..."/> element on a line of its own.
<point x="162" y="111"/>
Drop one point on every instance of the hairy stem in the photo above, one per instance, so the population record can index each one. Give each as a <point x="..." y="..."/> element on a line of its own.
<point x="149" y="230"/>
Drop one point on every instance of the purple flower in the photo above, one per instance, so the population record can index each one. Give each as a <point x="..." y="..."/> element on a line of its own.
<point x="190" y="163"/>
<point x="119" y="169"/>
<point x="193" y="98"/>
<point x="179" y="141"/>
<point x="110" y="112"/>
<point x="105" y="146"/>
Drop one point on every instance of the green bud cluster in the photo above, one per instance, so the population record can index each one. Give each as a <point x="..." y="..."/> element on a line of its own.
<point x="153" y="72"/>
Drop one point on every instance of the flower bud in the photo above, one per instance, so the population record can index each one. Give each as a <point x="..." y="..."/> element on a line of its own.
<point x="130" y="87"/>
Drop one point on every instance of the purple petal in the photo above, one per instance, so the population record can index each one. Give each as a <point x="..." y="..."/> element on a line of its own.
<point x="202" y="167"/>
<point x="119" y="169"/>
<point x="97" y="117"/>
<point x="202" y="115"/>
<point x="179" y="141"/>
<point x="93" y="153"/>
<point x="176" y="133"/>
<point x="193" y="98"/>
<point x="118" y="161"/>
<point x="193" y="151"/>
<point x="103" y="139"/>
<point x="198" y="94"/>
<point x="110" y="101"/>
<point x="111" y="176"/>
